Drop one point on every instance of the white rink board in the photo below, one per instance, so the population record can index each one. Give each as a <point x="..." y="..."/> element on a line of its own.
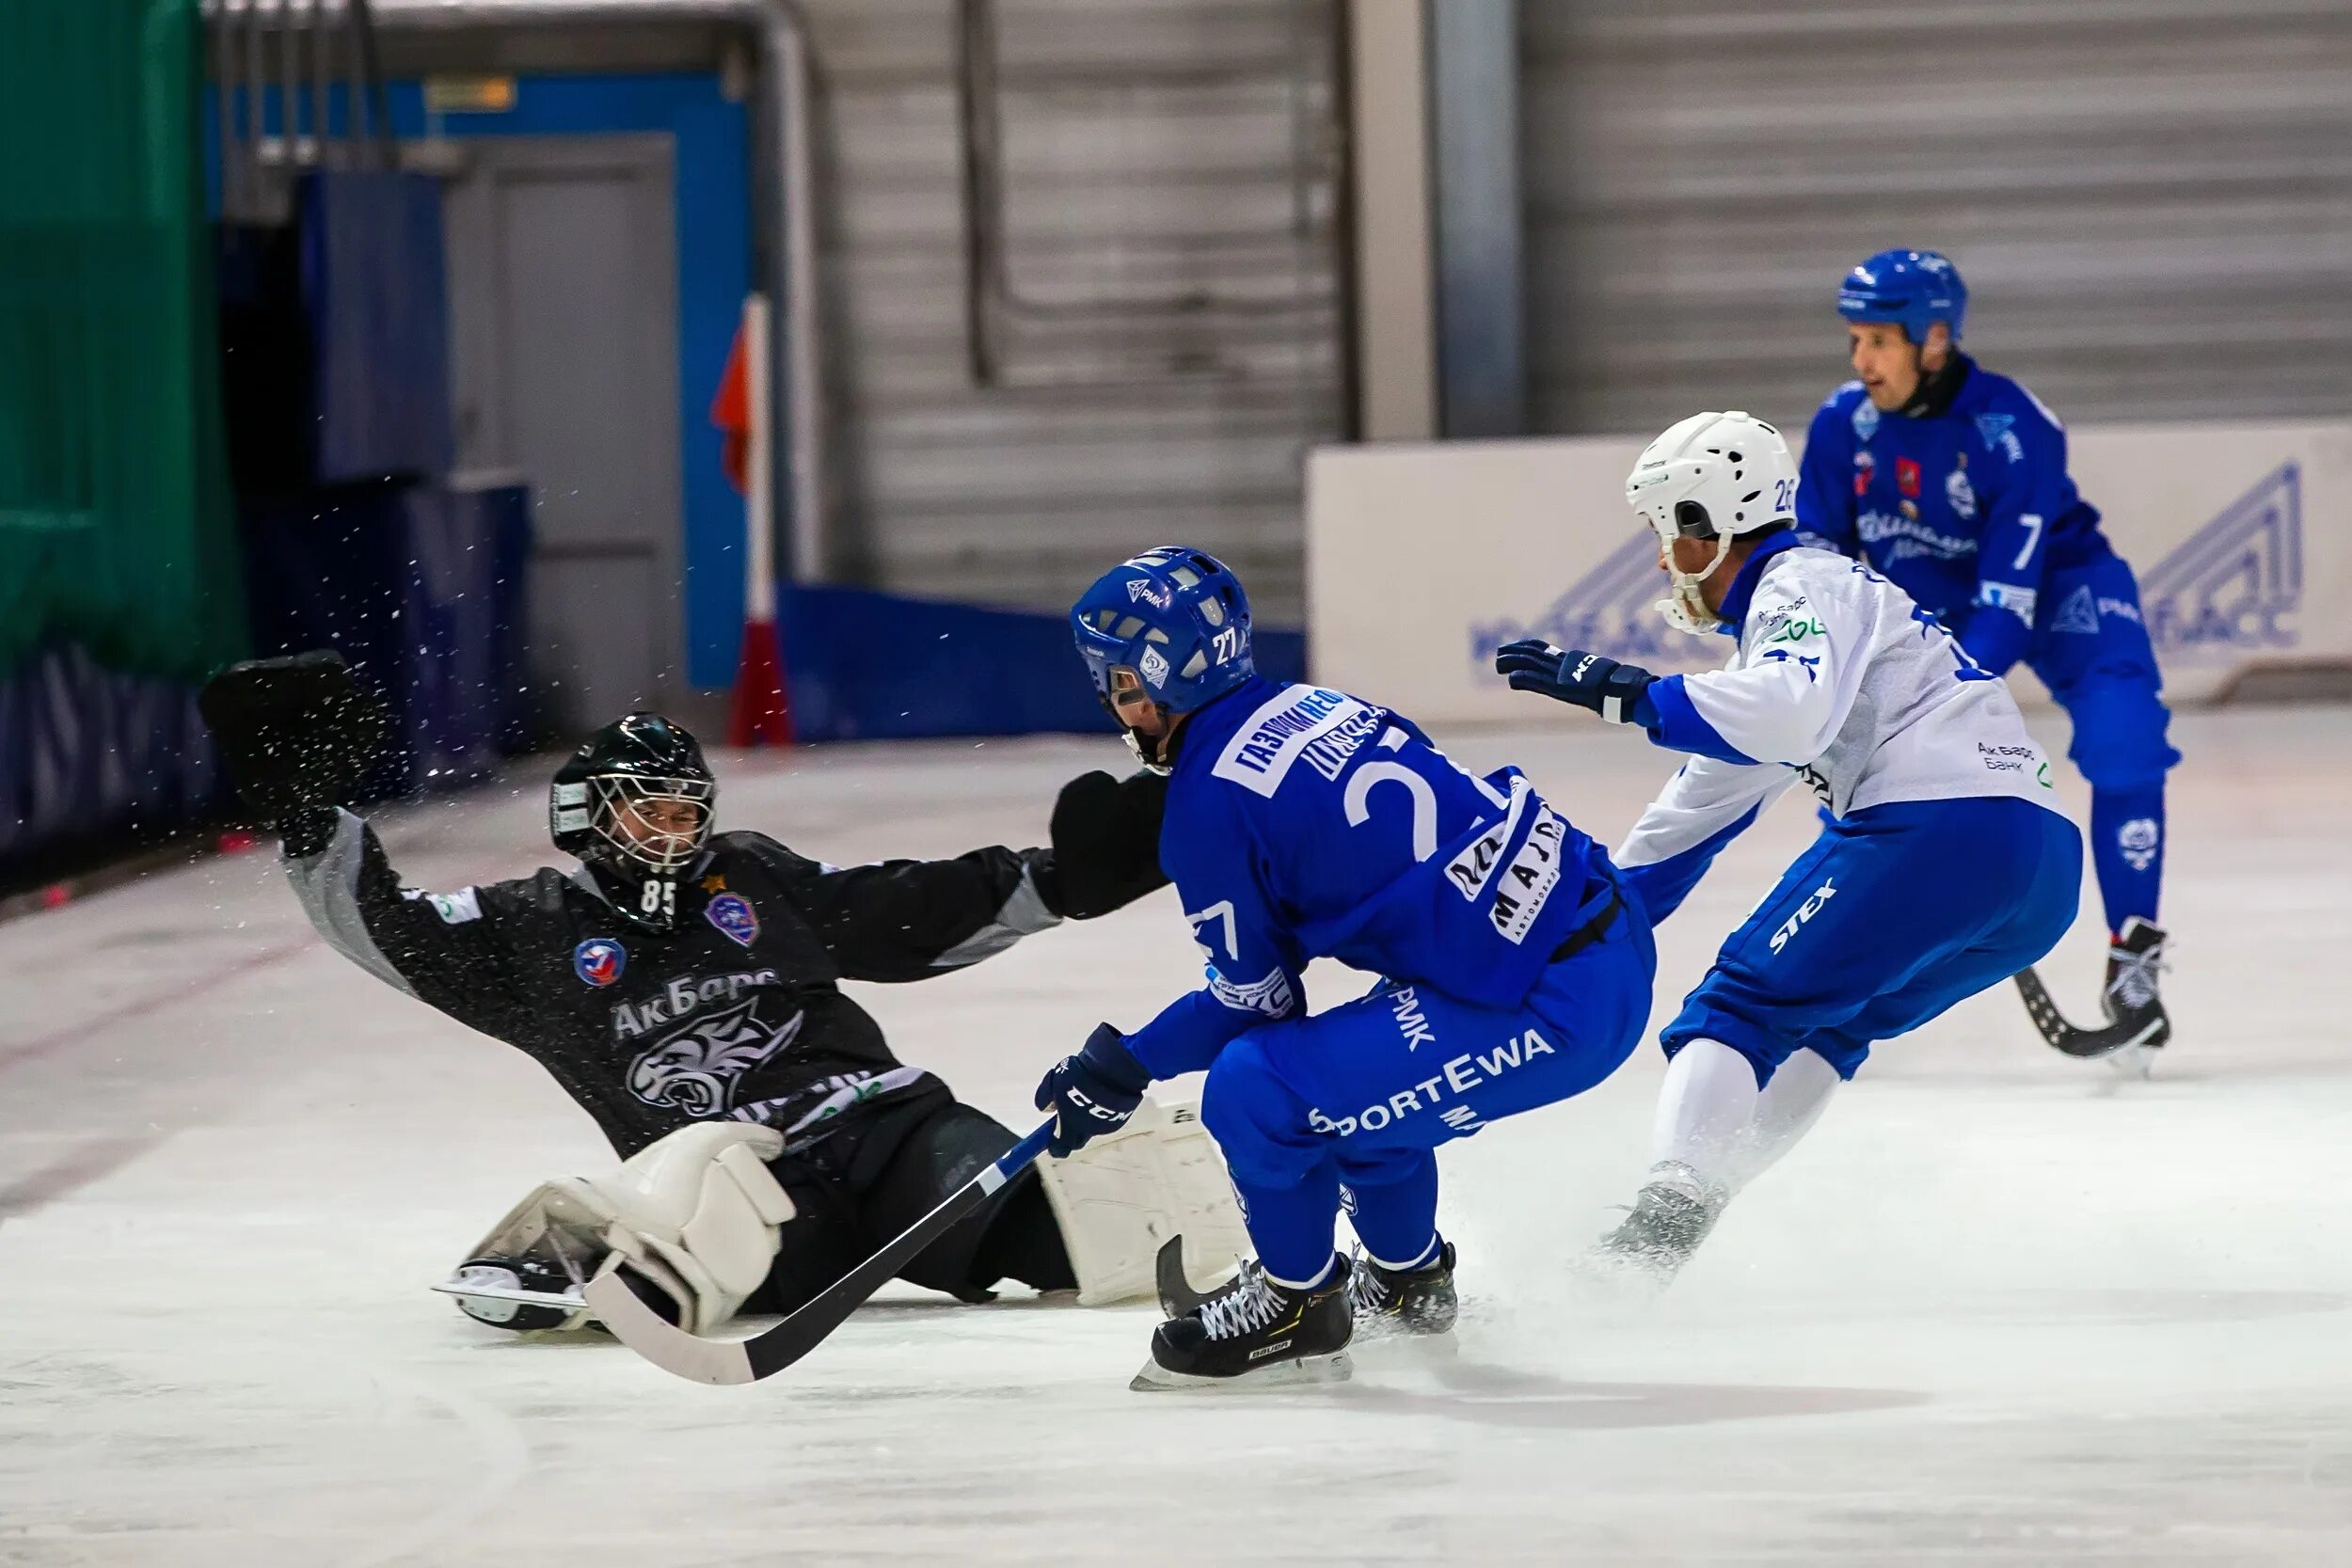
<point x="1423" y="558"/>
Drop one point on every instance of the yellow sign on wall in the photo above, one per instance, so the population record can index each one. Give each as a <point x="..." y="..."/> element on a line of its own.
<point x="469" y="95"/>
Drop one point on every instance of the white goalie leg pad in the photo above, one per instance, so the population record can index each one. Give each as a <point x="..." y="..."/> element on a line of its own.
<point x="1118" y="1199"/>
<point x="695" y="1212"/>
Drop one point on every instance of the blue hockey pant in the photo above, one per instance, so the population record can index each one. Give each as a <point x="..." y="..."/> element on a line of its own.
<point x="1894" y="914"/>
<point x="1361" y="1096"/>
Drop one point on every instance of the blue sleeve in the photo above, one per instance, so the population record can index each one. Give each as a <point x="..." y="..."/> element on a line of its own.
<point x="1254" y="966"/>
<point x="1824" y="491"/>
<point x="1662" y="885"/>
<point x="1679" y="727"/>
<point x="2026" y="451"/>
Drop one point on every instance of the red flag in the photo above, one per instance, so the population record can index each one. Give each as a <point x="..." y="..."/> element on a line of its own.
<point x="731" y="411"/>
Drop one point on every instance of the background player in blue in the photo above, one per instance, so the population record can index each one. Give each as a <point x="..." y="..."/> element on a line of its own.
<point x="1952" y="481"/>
<point x="1305" y="823"/>
<point x="1941" y="867"/>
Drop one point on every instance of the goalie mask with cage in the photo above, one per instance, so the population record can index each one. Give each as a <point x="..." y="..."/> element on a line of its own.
<point x="1171" y="623"/>
<point x="1712" y="477"/>
<point x="635" y="806"/>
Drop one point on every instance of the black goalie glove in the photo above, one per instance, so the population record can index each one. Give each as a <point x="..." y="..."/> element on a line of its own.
<point x="1106" y="842"/>
<point x="295" y="732"/>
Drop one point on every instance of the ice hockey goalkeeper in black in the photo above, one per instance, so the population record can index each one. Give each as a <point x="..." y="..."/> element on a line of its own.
<point x="682" y="986"/>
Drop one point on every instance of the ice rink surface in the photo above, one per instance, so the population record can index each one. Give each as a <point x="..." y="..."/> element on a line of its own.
<point x="2001" y="1308"/>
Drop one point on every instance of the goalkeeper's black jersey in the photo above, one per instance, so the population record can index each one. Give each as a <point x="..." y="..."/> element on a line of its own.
<point x="734" y="1013"/>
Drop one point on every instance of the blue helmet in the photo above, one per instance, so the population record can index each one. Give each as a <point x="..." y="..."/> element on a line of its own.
<point x="1914" y="288"/>
<point x="1176" y="617"/>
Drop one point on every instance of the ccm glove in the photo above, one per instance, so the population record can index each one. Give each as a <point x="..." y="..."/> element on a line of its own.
<point x="1615" y="691"/>
<point x="1093" y="1092"/>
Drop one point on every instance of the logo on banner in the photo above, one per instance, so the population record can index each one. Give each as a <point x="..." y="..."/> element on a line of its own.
<point x="2236" y="582"/>
<point x="732" y="913"/>
<point x="598" y="961"/>
<point x="1611" y="609"/>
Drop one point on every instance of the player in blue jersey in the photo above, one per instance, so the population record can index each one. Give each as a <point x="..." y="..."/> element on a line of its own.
<point x="1952" y="481"/>
<point x="1306" y="823"/>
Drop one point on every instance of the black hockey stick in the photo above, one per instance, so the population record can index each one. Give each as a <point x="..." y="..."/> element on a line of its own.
<point x="691" y="1356"/>
<point x="1177" y="1296"/>
<point x="2063" y="1036"/>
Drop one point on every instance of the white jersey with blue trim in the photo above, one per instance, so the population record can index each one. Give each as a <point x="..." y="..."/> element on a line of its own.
<point x="1840" y="680"/>
<point x="1306" y="823"/>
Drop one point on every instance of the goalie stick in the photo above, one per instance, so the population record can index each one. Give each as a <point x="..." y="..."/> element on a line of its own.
<point x="2121" y="1034"/>
<point x="764" y="1354"/>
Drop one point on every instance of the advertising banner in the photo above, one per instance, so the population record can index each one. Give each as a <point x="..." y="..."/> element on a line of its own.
<point x="1422" y="559"/>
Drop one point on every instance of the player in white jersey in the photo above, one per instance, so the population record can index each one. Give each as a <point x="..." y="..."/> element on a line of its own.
<point x="1943" y="867"/>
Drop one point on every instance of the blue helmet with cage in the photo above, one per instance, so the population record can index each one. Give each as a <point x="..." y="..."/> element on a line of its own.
<point x="1914" y="289"/>
<point x="1176" y="617"/>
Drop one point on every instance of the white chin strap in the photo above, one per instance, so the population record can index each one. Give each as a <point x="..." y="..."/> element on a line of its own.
<point x="1683" y="609"/>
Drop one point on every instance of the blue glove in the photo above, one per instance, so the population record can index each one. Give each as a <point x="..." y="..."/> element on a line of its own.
<point x="1093" y="1092"/>
<point x="1994" y="637"/>
<point x="1618" y="692"/>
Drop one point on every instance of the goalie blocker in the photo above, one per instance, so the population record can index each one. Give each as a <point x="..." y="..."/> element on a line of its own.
<point x="706" y="1230"/>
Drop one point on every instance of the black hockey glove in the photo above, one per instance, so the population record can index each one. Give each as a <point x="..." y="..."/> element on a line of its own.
<point x="1093" y="1092"/>
<point x="1106" y="842"/>
<point x="295" y="732"/>
<point x="1611" y="689"/>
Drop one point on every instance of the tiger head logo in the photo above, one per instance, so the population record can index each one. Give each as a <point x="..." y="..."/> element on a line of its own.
<point x="696" y="1069"/>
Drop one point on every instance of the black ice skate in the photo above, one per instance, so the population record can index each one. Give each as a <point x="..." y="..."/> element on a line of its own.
<point x="1671" y="1216"/>
<point x="1390" y="1303"/>
<point x="1256" y="1330"/>
<point x="2136" y="1025"/>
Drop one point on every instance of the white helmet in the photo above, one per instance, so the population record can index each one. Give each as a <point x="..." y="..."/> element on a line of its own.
<point x="1712" y="476"/>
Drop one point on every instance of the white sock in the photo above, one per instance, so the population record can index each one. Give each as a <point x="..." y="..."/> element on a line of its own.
<point x="1704" y="1112"/>
<point x="1789" y="1106"/>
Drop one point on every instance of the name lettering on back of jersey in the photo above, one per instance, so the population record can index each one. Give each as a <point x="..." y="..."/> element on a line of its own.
<point x="1270" y="740"/>
<point x="1328" y="754"/>
<point x="680" y="997"/>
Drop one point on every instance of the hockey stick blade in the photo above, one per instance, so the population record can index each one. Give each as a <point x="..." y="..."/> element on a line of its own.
<point x="2065" y="1037"/>
<point x="724" y="1361"/>
<point x="1177" y="1296"/>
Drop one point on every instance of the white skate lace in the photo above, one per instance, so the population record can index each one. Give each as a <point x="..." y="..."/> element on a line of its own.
<point x="1366" y="1291"/>
<point x="1248" y="1304"/>
<point x="2134" y="983"/>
